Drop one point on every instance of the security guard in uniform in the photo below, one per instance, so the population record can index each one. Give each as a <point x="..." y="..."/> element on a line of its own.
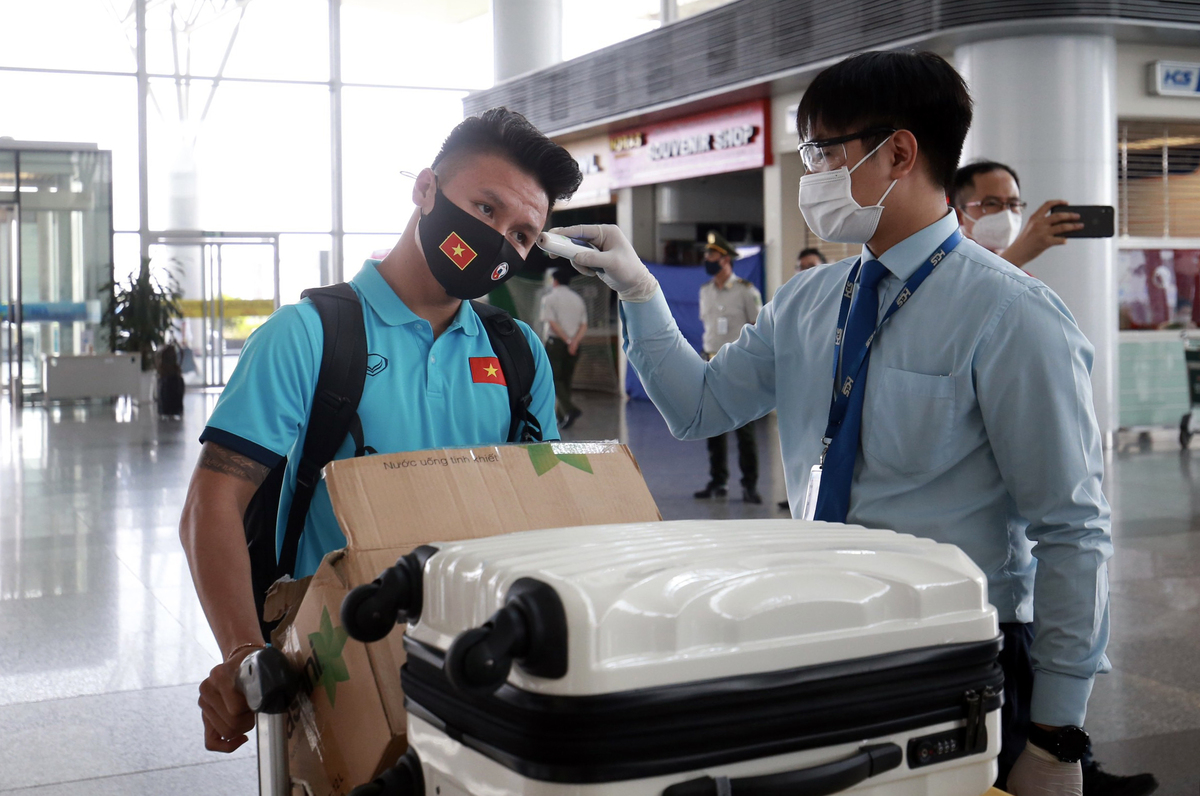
<point x="727" y="303"/>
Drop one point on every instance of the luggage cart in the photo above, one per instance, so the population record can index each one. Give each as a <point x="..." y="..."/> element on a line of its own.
<point x="270" y="684"/>
<point x="1191" y="357"/>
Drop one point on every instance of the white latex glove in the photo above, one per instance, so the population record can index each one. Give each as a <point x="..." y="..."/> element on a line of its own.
<point x="616" y="264"/>
<point x="1039" y="773"/>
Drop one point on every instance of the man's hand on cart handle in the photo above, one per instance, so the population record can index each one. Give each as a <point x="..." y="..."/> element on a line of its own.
<point x="227" y="717"/>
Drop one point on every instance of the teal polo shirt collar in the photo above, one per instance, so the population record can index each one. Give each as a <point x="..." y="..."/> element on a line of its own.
<point x="394" y="312"/>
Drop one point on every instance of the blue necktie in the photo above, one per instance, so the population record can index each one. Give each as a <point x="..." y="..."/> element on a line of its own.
<point x="833" y="501"/>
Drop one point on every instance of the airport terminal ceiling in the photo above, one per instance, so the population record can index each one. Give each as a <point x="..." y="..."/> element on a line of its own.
<point x="780" y="44"/>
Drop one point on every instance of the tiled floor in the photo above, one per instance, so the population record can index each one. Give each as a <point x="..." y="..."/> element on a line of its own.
<point x="102" y="640"/>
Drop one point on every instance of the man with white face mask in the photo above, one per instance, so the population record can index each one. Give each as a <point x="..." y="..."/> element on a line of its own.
<point x="940" y="390"/>
<point x="987" y="197"/>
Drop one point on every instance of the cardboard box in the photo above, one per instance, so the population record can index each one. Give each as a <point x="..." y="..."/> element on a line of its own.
<point x="348" y="724"/>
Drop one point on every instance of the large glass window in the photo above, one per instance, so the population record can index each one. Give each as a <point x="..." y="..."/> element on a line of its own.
<point x="359" y="248"/>
<point x="304" y="263"/>
<point x="65" y="34"/>
<point x="90" y="109"/>
<point x="271" y="39"/>
<point x="440" y="45"/>
<point x="262" y="156"/>
<point x="385" y="132"/>
<point x="239" y="125"/>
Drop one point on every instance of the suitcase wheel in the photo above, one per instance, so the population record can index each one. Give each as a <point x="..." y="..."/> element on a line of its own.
<point x="531" y="629"/>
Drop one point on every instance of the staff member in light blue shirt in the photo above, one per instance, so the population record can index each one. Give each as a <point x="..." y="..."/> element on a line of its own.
<point x="977" y="424"/>
<point x="479" y="209"/>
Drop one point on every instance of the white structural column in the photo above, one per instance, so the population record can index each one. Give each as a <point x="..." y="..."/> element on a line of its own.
<point x="527" y="35"/>
<point x="336" y="253"/>
<point x="783" y="227"/>
<point x="1046" y="106"/>
<point x="637" y="217"/>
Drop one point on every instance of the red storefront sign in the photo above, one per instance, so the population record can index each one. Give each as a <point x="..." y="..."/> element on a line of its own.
<point x="731" y="139"/>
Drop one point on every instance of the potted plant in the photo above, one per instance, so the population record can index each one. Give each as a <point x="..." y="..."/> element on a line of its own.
<point x="141" y="315"/>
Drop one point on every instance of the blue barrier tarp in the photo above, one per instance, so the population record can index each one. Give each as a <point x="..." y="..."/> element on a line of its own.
<point x="681" y="286"/>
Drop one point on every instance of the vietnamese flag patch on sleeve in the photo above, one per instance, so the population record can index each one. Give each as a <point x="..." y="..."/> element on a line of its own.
<point x="486" y="370"/>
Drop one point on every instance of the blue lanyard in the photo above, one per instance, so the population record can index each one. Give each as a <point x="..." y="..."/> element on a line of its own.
<point x="841" y="394"/>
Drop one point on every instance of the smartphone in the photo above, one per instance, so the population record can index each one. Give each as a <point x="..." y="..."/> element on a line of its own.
<point x="1097" y="220"/>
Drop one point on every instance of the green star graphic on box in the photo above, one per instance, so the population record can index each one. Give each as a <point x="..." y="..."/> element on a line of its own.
<point x="327" y="647"/>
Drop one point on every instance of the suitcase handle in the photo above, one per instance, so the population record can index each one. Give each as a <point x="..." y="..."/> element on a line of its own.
<point x="530" y="629"/>
<point x="840" y="775"/>
<point x="370" y="611"/>
<point x="268" y="681"/>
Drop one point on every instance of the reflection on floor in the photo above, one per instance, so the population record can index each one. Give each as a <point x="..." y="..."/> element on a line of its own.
<point x="104" y="640"/>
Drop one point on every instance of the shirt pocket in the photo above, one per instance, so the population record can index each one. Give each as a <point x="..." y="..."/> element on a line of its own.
<point x="909" y="418"/>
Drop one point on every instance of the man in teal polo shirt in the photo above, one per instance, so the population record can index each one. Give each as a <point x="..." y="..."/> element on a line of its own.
<point x="483" y="203"/>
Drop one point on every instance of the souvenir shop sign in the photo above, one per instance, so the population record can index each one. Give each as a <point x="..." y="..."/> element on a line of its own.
<point x="731" y="139"/>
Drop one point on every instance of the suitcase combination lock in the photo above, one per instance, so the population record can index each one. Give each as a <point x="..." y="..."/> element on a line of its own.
<point x="369" y="612"/>
<point x="531" y="629"/>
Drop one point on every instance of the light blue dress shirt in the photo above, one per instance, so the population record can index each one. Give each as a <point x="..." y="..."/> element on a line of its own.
<point x="419" y="393"/>
<point x="978" y="430"/>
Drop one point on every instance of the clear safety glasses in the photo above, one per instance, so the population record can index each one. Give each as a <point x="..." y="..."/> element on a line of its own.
<point x="830" y="154"/>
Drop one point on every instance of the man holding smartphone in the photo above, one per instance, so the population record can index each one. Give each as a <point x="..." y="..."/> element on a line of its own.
<point x="987" y="198"/>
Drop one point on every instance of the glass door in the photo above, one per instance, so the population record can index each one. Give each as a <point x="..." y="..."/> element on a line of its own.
<point x="10" y="331"/>
<point x="56" y="258"/>
<point x="238" y="290"/>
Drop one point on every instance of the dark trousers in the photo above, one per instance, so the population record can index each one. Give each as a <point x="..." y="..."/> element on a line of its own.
<point x="718" y="453"/>
<point x="562" y="363"/>
<point x="1017" y="663"/>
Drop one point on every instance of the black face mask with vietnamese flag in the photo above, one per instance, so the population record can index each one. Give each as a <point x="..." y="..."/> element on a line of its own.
<point x="467" y="257"/>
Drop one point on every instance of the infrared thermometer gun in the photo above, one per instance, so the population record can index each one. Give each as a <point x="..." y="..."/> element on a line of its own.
<point x="562" y="246"/>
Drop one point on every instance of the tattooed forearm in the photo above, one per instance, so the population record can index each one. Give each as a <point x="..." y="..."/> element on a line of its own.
<point x="222" y="460"/>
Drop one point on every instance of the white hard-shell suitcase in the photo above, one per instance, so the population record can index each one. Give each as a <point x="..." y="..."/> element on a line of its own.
<point x="682" y="658"/>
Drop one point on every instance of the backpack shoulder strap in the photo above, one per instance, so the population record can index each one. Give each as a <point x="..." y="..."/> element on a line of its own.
<point x="517" y="363"/>
<point x="334" y="410"/>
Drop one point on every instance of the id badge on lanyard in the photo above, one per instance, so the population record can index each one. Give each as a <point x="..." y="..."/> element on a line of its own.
<point x="840" y="401"/>
<point x="809" y="509"/>
<point x="810" y="495"/>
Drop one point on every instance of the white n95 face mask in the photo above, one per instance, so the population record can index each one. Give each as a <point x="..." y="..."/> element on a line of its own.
<point x="996" y="231"/>
<point x="829" y="208"/>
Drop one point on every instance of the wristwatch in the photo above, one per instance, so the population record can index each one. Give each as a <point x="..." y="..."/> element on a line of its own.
<point x="1066" y="743"/>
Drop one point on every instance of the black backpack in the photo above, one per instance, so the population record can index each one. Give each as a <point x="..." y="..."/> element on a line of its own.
<point x="334" y="415"/>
